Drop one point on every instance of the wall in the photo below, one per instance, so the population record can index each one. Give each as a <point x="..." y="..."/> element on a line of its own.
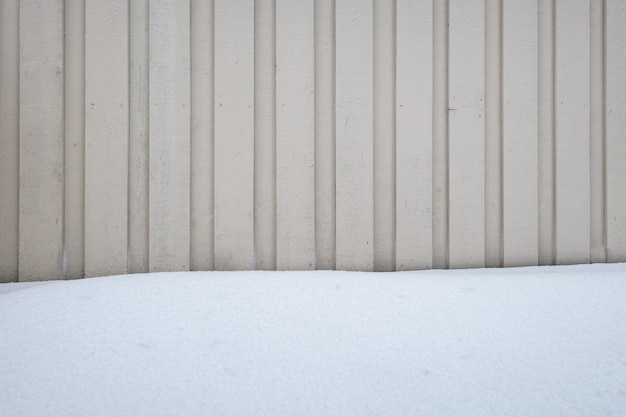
<point x="295" y="134"/>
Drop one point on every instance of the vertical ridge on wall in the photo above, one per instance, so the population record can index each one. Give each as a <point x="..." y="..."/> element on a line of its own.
<point x="493" y="133"/>
<point x="384" y="129"/>
<point x="41" y="140"/>
<point x="170" y="135"/>
<point x="138" y="149"/>
<point x="572" y="132"/>
<point x="202" y="137"/>
<point x="74" y="118"/>
<point x="466" y="134"/>
<point x="354" y="96"/>
<point x="597" y="160"/>
<point x="546" y="132"/>
<point x="106" y="132"/>
<point x="295" y="135"/>
<point x="9" y="139"/>
<point x="520" y="127"/>
<point x="234" y="134"/>
<point x="325" y="135"/>
<point x="414" y="134"/>
<point x="265" y="134"/>
<point x="615" y="119"/>
<point x="440" y="140"/>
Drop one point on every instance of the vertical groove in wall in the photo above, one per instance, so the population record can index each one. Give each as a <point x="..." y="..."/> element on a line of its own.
<point x="493" y="133"/>
<point x="440" y="135"/>
<point x="384" y="136"/>
<point x="265" y="134"/>
<point x="74" y="102"/>
<point x="138" y="175"/>
<point x="202" y="143"/>
<point x="9" y="139"/>
<point x="598" y="165"/>
<point x="546" y="134"/>
<point x="325" y="167"/>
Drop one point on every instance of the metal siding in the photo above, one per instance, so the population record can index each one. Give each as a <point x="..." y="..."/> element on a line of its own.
<point x="164" y="135"/>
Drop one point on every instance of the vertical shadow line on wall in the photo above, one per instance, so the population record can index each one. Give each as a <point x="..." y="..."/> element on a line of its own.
<point x="546" y="134"/>
<point x="493" y="134"/>
<point x="325" y="150"/>
<point x="441" y="242"/>
<point x="212" y="134"/>
<point x="384" y="136"/>
<point x="9" y="132"/>
<point x="598" y="136"/>
<point x="265" y="134"/>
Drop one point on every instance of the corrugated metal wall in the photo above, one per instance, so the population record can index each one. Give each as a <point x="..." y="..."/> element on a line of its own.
<point x="157" y="135"/>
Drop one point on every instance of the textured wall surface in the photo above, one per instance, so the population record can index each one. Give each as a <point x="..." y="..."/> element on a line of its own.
<point x="160" y="135"/>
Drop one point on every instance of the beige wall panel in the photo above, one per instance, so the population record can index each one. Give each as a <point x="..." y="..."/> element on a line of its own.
<point x="414" y="92"/>
<point x="384" y="130"/>
<point x="354" y="124"/>
<point x="202" y="111"/>
<point x="325" y="138"/>
<point x="138" y="175"/>
<point x="597" y="106"/>
<point x="616" y="129"/>
<point x="9" y="139"/>
<point x="234" y="134"/>
<point x="493" y="133"/>
<point x="106" y="131"/>
<point x="467" y="134"/>
<point x="520" y="141"/>
<point x="74" y="101"/>
<point x="265" y="134"/>
<point x="295" y="173"/>
<point x="170" y="135"/>
<point x="546" y="130"/>
<point x="572" y="132"/>
<point x="41" y="140"/>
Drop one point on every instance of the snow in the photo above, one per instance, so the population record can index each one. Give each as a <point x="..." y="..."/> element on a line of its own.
<point x="540" y="341"/>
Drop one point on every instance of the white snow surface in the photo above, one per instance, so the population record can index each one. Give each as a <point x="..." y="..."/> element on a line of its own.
<point x="539" y="341"/>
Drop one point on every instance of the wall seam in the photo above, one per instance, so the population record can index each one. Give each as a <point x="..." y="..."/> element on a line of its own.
<point x="440" y="146"/>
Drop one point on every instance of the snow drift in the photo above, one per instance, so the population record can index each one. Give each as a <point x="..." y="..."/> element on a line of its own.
<point x="534" y="342"/>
